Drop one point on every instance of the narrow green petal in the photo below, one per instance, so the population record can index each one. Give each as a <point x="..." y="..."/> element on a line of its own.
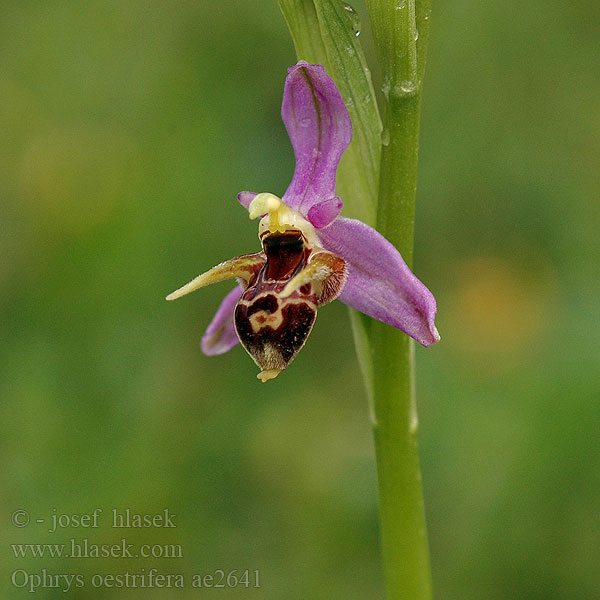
<point x="324" y="32"/>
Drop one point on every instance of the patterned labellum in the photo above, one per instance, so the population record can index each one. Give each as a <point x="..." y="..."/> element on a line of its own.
<point x="279" y="305"/>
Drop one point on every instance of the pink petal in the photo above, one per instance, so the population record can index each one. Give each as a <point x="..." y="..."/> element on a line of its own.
<point x="323" y="213"/>
<point x="220" y="335"/>
<point x="380" y="284"/>
<point x="320" y="129"/>
<point x="245" y="198"/>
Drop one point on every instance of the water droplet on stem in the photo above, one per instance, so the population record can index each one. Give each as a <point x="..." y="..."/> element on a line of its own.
<point x="386" y="86"/>
<point x="354" y="18"/>
<point x="385" y="137"/>
<point x="407" y="87"/>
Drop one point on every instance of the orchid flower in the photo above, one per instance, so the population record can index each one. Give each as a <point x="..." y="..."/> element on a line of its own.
<point x="310" y="255"/>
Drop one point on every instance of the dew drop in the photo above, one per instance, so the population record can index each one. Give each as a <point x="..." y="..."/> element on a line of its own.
<point x="401" y="5"/>
<point x="354" y="18"/>
<point x="386" y="86"/>
<point x="407" y="87"/>
<point x="416" y="35"/>
<point x="385" y="137"/>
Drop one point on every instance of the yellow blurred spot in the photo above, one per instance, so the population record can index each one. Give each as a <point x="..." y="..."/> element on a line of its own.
<point x="501" y="308"/>
<point x="74" y="178"/>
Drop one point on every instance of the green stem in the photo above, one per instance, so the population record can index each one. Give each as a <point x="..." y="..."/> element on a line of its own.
<point x="323" y="33"/>
<point x="402" y="514"/>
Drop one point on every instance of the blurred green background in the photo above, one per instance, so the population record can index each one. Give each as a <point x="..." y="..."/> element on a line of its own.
<point x="127" y="129"/>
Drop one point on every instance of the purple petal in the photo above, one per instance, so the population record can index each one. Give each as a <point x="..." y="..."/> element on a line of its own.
<point x="220" y="335"/>
<point x="245" y="198"/>
<point x="323" y="213"/>
<point x="380" y="284"/>
<point x="320" y="129"/>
